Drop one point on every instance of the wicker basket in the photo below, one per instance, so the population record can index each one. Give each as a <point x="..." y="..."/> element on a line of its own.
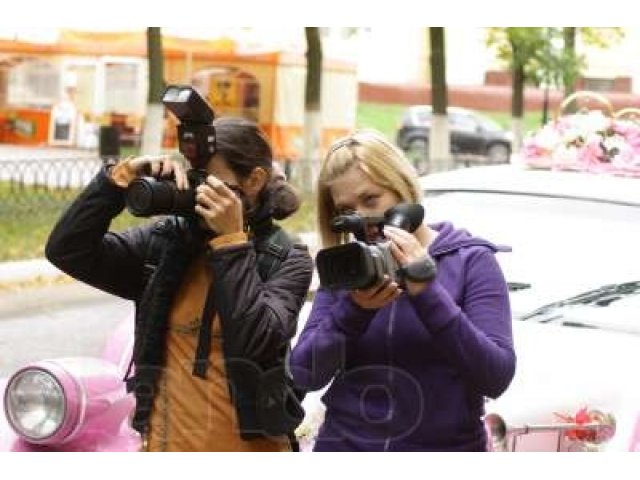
<point x="579" y="151"/>
<point x="630" y="113"/>
<point x="585" y="97"/>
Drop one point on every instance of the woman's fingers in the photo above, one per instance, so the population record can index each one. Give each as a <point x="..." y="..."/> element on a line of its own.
<point x="137" y="163"/>
<point x="182" y="181"/>
<point x="210" y="199"/>
<point x="398" y="254"/>
<point x="159" y="166"/>
<point x="405" y="247"/>
<point x="155" y="165"/>
<point x="167" y="167"/>
<point x="371" y="292"/>
<point x="222" y="189"/>
<point x="156" y="168"/>
<point x="379" y="295"/>
<point x="403" y="239"/>
<point x="389" y="294"/>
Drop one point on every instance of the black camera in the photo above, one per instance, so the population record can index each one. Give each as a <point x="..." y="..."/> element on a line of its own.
<point x="364" y="262"/>
<point x="148" y="196"/>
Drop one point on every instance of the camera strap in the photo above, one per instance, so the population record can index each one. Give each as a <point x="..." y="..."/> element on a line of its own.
<point x="203" y="348"/>
<point x="271" y="251"/>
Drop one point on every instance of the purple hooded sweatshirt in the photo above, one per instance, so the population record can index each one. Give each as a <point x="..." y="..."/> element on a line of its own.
<point x="412" y="376"/>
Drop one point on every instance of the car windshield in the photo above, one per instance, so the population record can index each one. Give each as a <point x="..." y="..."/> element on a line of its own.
<point x="489" y="124"/>
<point x="561" y="247"/>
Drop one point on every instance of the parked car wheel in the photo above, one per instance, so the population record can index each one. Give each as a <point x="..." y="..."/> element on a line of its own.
<point x="418" y="154"/>
<point x="498" y="153"/>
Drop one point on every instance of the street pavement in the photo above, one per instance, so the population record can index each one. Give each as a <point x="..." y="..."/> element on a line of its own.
<point x="26" y="271"/>
<point x="66" y="320"/>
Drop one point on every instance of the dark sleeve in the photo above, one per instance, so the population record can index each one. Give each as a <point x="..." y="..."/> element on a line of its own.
<point x="258" y="318"/>
<point x="334" y="323"/>
<point x="476" y="338"/>
<point x="81" y="246"/>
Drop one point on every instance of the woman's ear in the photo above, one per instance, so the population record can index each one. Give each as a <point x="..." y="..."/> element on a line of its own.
<point x="256" y="181"/>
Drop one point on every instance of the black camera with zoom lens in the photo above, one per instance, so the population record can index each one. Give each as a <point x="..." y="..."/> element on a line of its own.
<point x="148" y="196"/>
<point x="364" y="263"/>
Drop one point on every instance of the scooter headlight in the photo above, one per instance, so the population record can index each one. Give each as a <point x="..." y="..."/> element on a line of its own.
<point x="35" y="404"/>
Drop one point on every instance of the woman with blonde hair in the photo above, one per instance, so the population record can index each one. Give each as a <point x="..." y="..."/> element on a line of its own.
<point x="409" y="361"/>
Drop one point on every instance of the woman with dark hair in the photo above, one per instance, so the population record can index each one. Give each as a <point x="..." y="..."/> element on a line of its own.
<point x="217" y="295"/>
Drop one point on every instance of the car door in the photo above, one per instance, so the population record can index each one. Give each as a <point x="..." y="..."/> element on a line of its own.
<point x="465" y="134"/>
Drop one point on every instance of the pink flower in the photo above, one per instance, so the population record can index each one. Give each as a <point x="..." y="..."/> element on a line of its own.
<point x="591" y="153"/>
<point x="623" y="159"/>
<point x="630" y="131"/>
<point x="588" y="142"/>
<point x="532" y="150"/>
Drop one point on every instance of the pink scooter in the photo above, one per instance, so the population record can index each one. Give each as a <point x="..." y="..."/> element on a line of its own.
<point x="71" y="404"/>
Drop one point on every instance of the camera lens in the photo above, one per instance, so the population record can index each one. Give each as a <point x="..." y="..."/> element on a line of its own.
<point x="347" y="266"/>
<point x="148" y="196"/>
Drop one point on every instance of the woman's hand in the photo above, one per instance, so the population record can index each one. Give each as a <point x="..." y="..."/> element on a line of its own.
<point x="156" y="166"/>
<point x="219" y="206"/>
<point x="377" y="296"/>
<point x="406" y="249"/>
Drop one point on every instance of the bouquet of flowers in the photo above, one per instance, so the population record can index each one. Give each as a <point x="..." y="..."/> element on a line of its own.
<point x="586" y="141"/>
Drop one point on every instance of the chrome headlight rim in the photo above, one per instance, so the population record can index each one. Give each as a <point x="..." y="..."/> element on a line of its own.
<point x="10" y="415"/>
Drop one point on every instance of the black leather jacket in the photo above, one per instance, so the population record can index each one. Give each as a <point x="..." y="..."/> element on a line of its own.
<point x="258" y="316"/>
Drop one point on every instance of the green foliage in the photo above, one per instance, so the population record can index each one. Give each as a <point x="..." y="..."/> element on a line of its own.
<point x="601" y="37"/>
<point x="380" y="116"/>
<point x="28" y="214"/>
<point x="530" y="121"/>
<point x="516" y="46"/>
<point x="304" y="220"/>
<point x="543" y="53"/>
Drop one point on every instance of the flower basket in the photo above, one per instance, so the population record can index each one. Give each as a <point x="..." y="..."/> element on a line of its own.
<point x="598" y="141"/>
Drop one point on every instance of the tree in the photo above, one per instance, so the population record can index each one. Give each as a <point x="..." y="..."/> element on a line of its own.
<point x="544" y="55"/>
<point x="520" y="48"/>
<point x="439" y="142"/>
<point x="153" y="125"/>
<point x="312" y="108"/>
<point x="573" y="63"/>
<point x="569" y="78"/>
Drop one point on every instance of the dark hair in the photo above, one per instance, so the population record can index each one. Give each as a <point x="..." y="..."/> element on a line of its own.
<point x="244" y="147"/>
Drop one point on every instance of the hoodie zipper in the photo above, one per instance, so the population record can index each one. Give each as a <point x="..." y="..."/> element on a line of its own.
<point x="392" y="318"/>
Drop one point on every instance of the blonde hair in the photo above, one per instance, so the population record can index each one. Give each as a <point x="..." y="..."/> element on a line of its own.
<point x="378" y="159"/>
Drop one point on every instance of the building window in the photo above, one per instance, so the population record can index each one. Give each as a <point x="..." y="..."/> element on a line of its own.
<point x="33" y="83"/>
<point x="121" y="87"/>
<point x="599" y="84"/>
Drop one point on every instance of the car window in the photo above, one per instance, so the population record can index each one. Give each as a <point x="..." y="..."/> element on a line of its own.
<point x="422" y="116"/>
<point x="560" y="246"/>
<point x="462" y="122"/>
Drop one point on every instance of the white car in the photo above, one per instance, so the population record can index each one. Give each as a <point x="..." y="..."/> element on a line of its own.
<point x="574" y="277"/>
